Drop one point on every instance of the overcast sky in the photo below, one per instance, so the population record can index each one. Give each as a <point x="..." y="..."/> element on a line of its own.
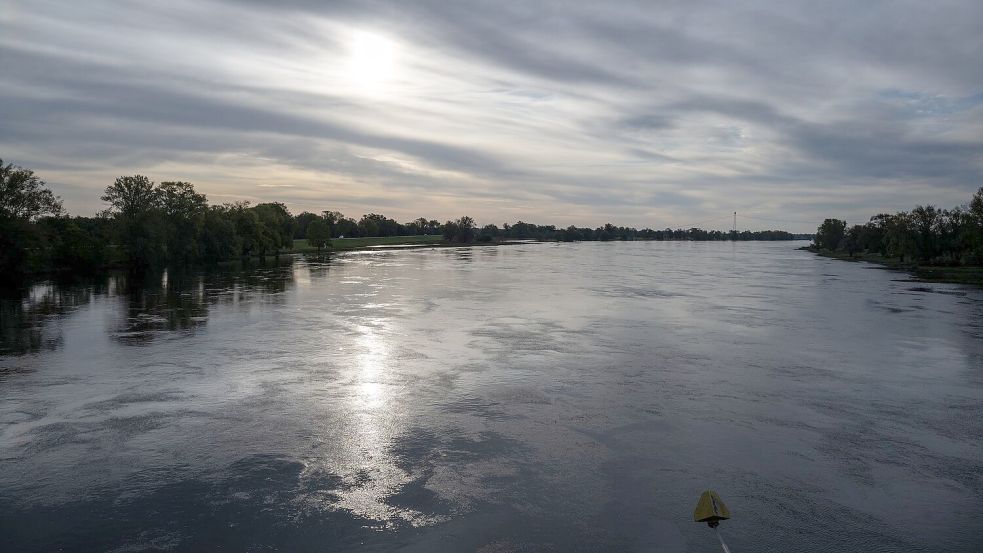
<point x="650" y="114"/>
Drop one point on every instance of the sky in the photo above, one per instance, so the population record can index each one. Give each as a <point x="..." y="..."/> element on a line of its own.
<point x="646" y="114"/>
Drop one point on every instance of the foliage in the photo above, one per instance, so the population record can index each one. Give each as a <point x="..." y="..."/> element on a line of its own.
<point x="148" y="225"/>
<point x="23" y="199"/>
<point x="830" y="234"/>
<point x="24" y="196"/>
<point x="926" y="235"/>
<point x="318" y="234"/>
<point x="460" y="231"/>
<point x="302" y="220"/>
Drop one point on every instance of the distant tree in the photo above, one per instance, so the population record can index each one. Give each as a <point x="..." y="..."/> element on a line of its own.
<point x="899" y="236"/>
<point x="830" y="234"/>
<point x="301" y="221"/>
<point x="853" y="240"/>
<point x="24" y="196"/>
<point x="318" y="234"/>
<point x="252" y="234"/>
<point x="134" y="202"/>
<point x="373" y="224"/>
<point x="421" y="226"/>
<point x="183" y="210"/>
<point x="461" y="231"/>
<point x="277" y="226"/>
<point x="973" y="231"/>
<point x="488" y="233"/>
<point x="77" y="243"/>
<point x="131" y="196"/>
<point x="340" y="225"/>
<point x="926" y="222"/>
<point x="218" y="240"/>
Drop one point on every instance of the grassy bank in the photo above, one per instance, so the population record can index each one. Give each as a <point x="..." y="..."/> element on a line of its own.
<point x="953" y="275"/>
<point x="346" y="244"/>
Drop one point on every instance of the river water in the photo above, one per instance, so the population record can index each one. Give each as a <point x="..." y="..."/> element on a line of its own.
<point x="534" y="397"/>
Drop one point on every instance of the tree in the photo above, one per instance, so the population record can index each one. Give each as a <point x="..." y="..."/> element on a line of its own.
<point x="302" y="220"/>
<point x="318" y="234"/>
<point x="898" y="236"/>
<point x="183" y="211"/>
<point x="23" y="199"/>
<point x="488" y="233"/>
<point x="135" y="204"/>
<point x="926" y="222"/>
<point x="830" y="234"/>
<point x="278" y="225"/>
<point x="461" y="231"/>
<point x="24" y="196"/>
<point x="218" y="240"/>
<point x="974" y="227"/>
<point x="130" y="196"/>
<point x="253" y="238"/>
<point x="853" y="239"/>
<point x="77" y="243"/>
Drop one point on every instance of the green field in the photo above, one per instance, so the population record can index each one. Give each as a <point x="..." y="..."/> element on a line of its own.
<point x="346" y="244"/>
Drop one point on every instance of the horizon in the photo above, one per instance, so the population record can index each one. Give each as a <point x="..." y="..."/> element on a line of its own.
<point x="657" y="118"/>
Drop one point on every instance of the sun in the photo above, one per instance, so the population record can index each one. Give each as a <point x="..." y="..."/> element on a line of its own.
<point x="371" y="61"/>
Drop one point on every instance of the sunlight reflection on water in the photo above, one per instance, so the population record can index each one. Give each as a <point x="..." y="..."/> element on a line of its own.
<point x="570" y="397"/>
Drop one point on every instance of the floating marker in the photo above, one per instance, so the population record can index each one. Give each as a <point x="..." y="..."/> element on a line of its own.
<point x="711" y="510"/>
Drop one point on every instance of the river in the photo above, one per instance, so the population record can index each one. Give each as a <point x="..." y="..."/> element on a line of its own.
<point x="532" y="397"/>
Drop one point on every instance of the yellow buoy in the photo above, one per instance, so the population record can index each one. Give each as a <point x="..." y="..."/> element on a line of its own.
<point x="710" y="509"/>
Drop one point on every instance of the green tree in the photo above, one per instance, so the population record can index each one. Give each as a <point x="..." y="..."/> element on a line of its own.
<point x="218" y="240"/>
<point x="973" y="231"/>
<point x="183" y="211"/>
<point x="301" y="221"/>
<point x="77" y="243"/>
<point x="830" y="234"/>
<point x="277" y="225"/>
<point x="488" y="233"/>
<point x="253" y="237"/>
<point x="461" y="231"/>
<point x="899" y="237"/>
<point x="926" y="222"/>
<point x="24" y="196"/>
<point x="853" y="240"/>
<point x="134" y="202"/>
<point x="318" y="234"/>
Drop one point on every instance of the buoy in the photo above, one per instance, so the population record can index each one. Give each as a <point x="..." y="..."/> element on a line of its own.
<point x="711" y="510"/>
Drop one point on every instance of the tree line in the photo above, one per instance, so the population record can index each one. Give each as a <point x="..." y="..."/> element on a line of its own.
<point x="149" y="225"/>
<point x="926" y="235"/>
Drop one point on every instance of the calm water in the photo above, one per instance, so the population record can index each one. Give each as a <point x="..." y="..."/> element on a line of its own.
<point x="538" y="397"/>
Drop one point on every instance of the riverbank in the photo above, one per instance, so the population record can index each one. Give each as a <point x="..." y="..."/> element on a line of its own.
<point x="952" y="275"/>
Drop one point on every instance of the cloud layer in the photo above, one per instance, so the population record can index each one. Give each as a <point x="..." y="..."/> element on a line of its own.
<point x="648" y="114"/>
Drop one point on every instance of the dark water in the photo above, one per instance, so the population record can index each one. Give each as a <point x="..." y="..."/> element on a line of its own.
<point x="538" y="397"/>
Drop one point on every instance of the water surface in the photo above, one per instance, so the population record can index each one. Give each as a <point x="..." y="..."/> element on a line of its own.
<point x="535" y="397"/>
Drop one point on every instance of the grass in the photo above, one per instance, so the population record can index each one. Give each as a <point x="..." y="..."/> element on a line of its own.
<point x="953" y="275"/>
<point x="346" y="244"/>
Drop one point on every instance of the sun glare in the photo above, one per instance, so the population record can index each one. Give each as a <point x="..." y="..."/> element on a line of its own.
<point x="372" y="61"/>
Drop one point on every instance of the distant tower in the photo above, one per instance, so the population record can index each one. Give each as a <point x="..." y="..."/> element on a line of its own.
<point x="735" y="222"/>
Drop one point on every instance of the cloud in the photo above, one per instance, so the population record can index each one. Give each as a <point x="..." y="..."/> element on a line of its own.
<point x="564" y="113"/>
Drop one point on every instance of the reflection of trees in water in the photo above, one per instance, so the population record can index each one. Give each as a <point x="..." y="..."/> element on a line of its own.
<point x="317" y="267"/>
<point x="179" y="301"/>
<point x="152" y="303"/>
<point x="164" y="302"/>
<point x="25" y="314"/>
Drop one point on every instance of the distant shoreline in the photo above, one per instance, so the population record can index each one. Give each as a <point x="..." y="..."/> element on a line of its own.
<point x="949" y="275"/>
<point x="376" y="243"/>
